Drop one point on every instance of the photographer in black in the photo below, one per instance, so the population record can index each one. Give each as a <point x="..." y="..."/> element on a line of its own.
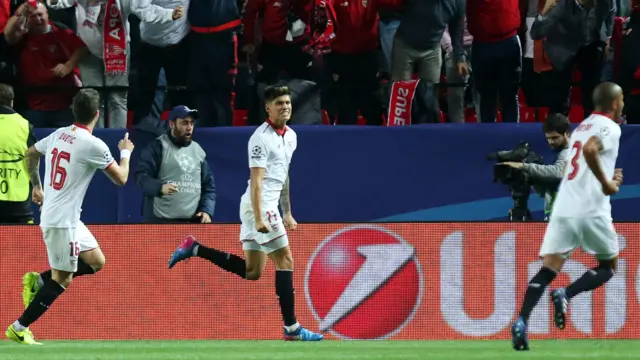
<point x="545" y="179"/>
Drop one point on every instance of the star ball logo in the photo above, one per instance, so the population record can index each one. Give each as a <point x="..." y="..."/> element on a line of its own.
<point x="364" y="282"/>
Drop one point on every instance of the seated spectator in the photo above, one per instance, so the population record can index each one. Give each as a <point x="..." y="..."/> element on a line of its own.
<point x="48" y="55"/>
<point x="174" y="175"/>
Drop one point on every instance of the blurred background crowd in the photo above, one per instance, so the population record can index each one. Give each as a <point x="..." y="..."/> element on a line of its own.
<point x="347" y="62"/>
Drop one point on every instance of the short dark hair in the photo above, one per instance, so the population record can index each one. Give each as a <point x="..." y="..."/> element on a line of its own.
<point x="273" y="92"/>
<point x="6" y="95"/>
<point x="556" y="122"/>
<point x="86" y="104"/>
<point x="605" y="94"/>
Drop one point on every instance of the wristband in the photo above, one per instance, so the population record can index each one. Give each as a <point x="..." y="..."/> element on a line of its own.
<point x="125" y="154"/>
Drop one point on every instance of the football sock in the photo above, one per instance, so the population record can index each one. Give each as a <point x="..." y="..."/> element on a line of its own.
<point x="226" y="261"/>
<point x="535" y="290"/>
<point x="285" y="293"/>
<point x="41" y="303"/>
<point x="83" y="269"/>
<point x="590" y="280"/>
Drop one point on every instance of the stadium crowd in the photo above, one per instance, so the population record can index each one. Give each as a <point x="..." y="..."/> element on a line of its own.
<point x="360" y="61"/>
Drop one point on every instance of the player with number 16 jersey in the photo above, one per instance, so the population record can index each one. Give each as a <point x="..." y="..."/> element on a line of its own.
<point x="581" y="214"/>
<point x="72" y="156"/>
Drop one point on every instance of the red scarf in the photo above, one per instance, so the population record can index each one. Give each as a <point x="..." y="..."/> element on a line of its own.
<point x="401" y="102"/>
<point x="115" y="40"/>
<point x="322" y="27"/>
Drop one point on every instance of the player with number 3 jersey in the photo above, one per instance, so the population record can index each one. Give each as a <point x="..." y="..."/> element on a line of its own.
<point x="72" y="156"/>
<point x="581" y="215"/>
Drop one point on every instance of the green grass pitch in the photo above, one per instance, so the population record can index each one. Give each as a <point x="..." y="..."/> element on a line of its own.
<point x="347" y="350"/>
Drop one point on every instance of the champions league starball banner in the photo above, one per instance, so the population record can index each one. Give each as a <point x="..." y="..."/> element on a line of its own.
<point x="404" y="281"/>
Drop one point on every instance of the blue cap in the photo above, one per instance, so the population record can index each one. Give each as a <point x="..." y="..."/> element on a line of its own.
<point x="182" y="112"/>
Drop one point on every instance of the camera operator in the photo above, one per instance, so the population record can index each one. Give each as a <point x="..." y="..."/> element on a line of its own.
<point x="546" y="178"/>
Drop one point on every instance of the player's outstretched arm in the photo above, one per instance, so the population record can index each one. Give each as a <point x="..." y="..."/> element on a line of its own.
<point x="33" y="166"/>
<point x="118" y="173"/>
<point x="591" y="152"/>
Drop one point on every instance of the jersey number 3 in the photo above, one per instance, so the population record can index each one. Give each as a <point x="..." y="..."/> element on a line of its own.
<point x="575" y="167"/>
<point x="58" y="172"/>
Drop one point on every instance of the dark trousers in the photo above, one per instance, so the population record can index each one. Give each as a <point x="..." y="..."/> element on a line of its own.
<point x="24" y="220"/>
<point x="279" y="59"/>
<point x="351" y="84"/>
<point x="590" y="61"/>
<point x="496" y="71"/>
<point x="49" y="119"/>
<point x="632" y="108"/>
<point x="535" y="85"/>
<point x="152" y="58"/>
<point x="213" y="65"/>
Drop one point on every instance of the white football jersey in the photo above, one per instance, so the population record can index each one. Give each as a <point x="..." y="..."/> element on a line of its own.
<point x="272" y="151"/>
<point x="580" y="193"/>
<point x="72" y="156"/>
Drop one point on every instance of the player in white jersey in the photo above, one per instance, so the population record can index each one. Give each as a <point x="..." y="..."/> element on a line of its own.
<point x="581" y="214"/>
<point x="263" y="231"/>
<point x="72" y="155"/>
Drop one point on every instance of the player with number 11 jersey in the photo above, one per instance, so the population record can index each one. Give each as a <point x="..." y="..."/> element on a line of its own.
<point x="72" y="156"/>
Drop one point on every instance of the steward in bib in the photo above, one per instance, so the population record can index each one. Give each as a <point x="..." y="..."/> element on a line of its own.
<point x="15" y="138"/>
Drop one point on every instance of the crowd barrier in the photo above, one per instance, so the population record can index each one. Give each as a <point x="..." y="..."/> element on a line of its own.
<point x="356" y="281"/>
<point x="349" y="173"/>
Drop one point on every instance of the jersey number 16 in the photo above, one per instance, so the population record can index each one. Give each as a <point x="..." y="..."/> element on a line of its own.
<point x="58" y="172"/>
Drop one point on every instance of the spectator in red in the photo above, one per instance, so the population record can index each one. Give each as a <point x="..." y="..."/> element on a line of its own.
<point x="48" y="56"/>
<point x="6" y="61"/>
<point x="352" y="64"/>
<point x="282" y="29"/>
<point x="5" y="13"/>
<point x="497" y="56"/>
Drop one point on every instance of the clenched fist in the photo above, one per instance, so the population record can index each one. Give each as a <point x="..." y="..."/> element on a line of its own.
<point x="178" y="12"/>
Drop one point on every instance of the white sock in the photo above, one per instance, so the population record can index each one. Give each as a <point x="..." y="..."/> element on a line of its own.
<point x="18" y="326"/>
<point x="40" y="282"/>
<point x="292" y="328"/>
<point x="195" y="250"/>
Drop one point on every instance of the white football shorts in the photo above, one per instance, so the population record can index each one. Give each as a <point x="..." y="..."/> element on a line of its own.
<point x="65" y="244"/>
<point x="251" y="239"/>
<point x="595" y="235"/>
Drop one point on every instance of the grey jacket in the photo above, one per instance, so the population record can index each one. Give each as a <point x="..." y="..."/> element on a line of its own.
<point x="568" y="27"/>
<point x="547" y="178"/>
